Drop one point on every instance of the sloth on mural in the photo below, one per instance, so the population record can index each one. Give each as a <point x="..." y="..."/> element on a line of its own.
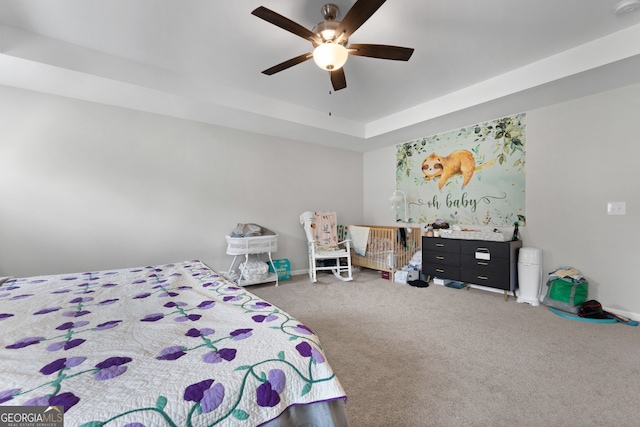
<point x="458" y="162"/>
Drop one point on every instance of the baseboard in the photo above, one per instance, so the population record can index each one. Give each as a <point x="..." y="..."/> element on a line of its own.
<point x="628" y="314"/>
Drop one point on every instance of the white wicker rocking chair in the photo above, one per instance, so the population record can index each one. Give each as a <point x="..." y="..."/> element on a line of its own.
<point x="322" y="238"/>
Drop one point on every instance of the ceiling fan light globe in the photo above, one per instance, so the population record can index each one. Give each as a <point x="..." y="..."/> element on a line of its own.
<point x="330" y="56"/>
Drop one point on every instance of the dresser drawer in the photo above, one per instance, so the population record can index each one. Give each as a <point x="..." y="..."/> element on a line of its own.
<point x="436" y="257"/>
<point x="489" y="278"/>
<point x="491" y="249"/>
<point x="441" y="271"/>
<point x="493" y="264"/>
<point x="440" y="245"/>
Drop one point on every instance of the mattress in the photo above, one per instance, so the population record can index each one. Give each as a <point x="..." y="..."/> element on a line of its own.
<point x="173" y="345"/>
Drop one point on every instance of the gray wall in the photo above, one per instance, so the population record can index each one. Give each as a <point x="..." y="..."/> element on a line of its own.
<point x="85" y="186"/>
<point x="580" y="155"/>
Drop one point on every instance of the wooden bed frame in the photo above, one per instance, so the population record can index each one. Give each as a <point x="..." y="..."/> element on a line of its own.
<point x="385" y="251"/>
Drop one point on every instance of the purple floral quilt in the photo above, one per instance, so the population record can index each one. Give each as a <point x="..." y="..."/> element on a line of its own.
<point x="165" y="345"/>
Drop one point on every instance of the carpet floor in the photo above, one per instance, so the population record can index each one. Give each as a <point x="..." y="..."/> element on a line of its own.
<point x="439" y="356"/>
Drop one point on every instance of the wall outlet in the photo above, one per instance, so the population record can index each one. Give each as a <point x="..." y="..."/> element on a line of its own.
<point x="616" y="208"/>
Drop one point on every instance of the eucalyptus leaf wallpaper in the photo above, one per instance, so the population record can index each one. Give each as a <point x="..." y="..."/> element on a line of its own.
<point x="470" y="176"/>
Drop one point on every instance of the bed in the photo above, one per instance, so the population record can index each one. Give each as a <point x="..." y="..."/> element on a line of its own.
<point x="387" y="248"/>
<point x="163" y="345"/>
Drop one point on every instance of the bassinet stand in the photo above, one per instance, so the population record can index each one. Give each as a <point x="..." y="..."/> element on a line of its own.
<point x="257" y="245"/>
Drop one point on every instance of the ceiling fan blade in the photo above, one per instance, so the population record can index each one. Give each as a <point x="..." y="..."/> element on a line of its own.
<point x="285" y="23"/>
<point x="356" y="16"/>
<point x="381" y="51"/>
<point x="338" y="79"/>
<point x="287" y="64"/>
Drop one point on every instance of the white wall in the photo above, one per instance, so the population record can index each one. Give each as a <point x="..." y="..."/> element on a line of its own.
<point x="85" y="186"/>
<point x="580" y="155"/>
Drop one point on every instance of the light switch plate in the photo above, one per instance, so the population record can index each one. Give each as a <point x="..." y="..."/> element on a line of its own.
<point x="616" y="208"/>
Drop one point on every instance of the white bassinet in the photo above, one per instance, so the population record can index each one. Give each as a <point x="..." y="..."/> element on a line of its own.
<point x="254" y="245"/>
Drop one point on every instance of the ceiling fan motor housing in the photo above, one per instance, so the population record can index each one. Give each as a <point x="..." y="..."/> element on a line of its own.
<point x="327" y="28"/>
<point x="330" y="12"/>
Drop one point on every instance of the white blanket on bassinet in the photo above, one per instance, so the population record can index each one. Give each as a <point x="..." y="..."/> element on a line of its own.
<point x="359" y="238"/>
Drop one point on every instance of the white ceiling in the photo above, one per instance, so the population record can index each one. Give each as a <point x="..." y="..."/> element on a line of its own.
<point x="202" y="60"/>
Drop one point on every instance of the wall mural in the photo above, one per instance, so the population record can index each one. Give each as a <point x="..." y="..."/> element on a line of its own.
<point x="471" y="176"/>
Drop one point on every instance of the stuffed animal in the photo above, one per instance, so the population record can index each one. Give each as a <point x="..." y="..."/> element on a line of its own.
<point x="460" y="161"/>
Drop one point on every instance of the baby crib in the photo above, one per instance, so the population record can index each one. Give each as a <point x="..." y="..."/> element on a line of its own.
<point x="386" y="250"/>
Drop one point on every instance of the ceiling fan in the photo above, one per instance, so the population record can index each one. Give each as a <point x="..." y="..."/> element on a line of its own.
<point x="330" y="39"/>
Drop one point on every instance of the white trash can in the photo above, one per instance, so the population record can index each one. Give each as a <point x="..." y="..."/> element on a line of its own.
<point x="530" y="275"/>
